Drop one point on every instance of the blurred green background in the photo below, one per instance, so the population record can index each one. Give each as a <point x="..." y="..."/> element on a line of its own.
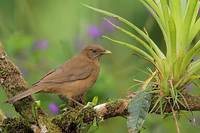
<point x="39" y="35"/>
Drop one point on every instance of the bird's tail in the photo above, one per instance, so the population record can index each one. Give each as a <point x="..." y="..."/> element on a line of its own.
<point x="24" y="94"/>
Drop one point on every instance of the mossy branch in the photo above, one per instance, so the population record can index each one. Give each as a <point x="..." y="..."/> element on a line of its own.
<point x="13" y="83"/>
<point x="72" y="120"/>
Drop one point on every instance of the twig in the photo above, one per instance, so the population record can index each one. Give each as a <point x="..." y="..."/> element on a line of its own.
<point x="175" y="119"/>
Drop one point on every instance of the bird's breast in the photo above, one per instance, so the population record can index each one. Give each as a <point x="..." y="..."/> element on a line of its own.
<point x="79" y="87"/>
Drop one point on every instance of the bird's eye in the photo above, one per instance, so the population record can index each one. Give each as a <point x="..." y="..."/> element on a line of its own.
<point x="94" y="51"/>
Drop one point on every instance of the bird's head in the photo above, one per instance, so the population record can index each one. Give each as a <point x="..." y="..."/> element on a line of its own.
<point x="94" y="51"/>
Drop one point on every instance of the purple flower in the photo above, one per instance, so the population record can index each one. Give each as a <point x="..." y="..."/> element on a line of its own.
<point x="94" y="31"/>
<point x="41" y="44"/>
<point x="107" y="27"/>
<point x="53" y="107"/>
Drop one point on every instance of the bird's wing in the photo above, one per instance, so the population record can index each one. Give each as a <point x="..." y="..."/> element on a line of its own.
<point x="75" y="69"/>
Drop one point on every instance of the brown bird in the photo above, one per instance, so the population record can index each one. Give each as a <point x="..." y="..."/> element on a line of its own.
<point x="71" y="79"/>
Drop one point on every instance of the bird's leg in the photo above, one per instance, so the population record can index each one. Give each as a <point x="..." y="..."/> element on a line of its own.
<point x="79" y="99"/>
<point x="63" y="98"/>
<point x="71" y="101"/>
<point x="74" y="101"/>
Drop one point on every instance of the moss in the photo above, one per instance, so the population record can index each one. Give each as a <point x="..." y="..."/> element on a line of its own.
<point x="112" y="106"/>
<point x="2" y="117"/>
<point x="15" y="125"/>
<point x="20" y="125"/>
<point x="13" y="83"/>
<point x="88" y="114"/>
<point x="75" y="120"/>
<point x="51" y="128"/>
<point x="115" y="108"/>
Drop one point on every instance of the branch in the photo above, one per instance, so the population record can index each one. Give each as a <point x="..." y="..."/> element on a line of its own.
<point x="112" y="109"/>
<point x="69" y="120"/>
<point x="120" y="107"/>
<point x="13" y="83"/>
<point x="72" y="120"/>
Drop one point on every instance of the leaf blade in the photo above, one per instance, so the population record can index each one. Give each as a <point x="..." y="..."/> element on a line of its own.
<point x="138" y="109"/>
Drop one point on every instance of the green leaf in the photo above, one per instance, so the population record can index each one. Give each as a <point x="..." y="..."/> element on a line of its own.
<point x="196" y="12"/>
<point x="194" y="77"/>
<point x="195" y="29"/>
<point x="156" y="16"/>
<point x="194" y="67"/>
<point x="165" y="11"/>
<point x="153" y="5"/>
<point x="138" y="109"/>
<point x="189" y="17"/>
<point x="175" y="6"/>
<point x="172" y="30"/>
<point x="95" y="100"/>
<point x="38" y="103"/>
<point x="144" y="44"/>
<point x="134" y="48"/>
<point x="191" y="53"/>
<point x="139" y="31"/>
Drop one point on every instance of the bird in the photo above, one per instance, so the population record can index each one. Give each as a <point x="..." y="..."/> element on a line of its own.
<point x="71" y="79"/>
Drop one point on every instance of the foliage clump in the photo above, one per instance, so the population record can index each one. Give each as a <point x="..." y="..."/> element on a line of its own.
<point x="179" y="65"/>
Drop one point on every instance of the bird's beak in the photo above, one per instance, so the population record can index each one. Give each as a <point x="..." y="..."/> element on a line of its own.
<point x="107" y="52"/>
